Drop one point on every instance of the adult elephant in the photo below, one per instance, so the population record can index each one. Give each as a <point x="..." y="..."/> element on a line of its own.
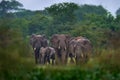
<point x="38" y="41"/>
<point x="80" y="48"/>
<point x="60" y="43"/>
<point x="75" y="51"/>
<point x="46" y="54"/>
<point x="86" y="47"/>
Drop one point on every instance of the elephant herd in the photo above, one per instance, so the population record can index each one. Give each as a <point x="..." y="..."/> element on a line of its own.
<point x="59" y="48"/>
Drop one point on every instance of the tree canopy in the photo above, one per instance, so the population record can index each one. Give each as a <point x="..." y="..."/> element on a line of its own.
<point x="63" y="12"/>
<point x="118" y="12"/>
<point x="9" y="5"/>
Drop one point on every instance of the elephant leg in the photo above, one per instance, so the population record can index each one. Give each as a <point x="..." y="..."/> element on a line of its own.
<point x="36" y="58"/>
<point x="77" y="59"/>
<point x="37" y="55"/>
<point x="57" y="59"/>
<point x="71" y="58"/>
<point x="48" y="60"/>
<point x="40" y="61"/>
<point x="86" y="58"/>
<point x="64" y="59"/>
<point x="52" y="61"/>
<point x="53" y="58"/>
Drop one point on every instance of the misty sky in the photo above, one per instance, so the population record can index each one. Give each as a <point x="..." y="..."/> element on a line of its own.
<point x="110" y="5"/>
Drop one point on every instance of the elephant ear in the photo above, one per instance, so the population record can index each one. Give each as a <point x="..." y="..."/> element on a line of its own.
<point x="68" y="38"/>
<point x="43" y="37"/>
<point x="85" y="42"/>
<point x="32" y="39"/>
<point x="48" y="50"/>
<point x="54" y="38"/>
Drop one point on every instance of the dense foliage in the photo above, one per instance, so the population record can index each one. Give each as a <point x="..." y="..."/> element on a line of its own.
<point x="6" y="6"/>
<point x="93" y="22"/>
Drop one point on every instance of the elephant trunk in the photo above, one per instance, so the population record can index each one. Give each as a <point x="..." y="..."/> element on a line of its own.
<point x="64" y="56"/>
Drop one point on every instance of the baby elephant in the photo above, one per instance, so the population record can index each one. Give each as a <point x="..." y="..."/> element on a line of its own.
<point x="47" y="53"/>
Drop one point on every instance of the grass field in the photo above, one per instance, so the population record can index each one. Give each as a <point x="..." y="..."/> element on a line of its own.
<point x="72" y="73"/>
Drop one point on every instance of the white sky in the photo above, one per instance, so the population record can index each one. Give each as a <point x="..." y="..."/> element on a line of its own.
<point x="110" y="5"/>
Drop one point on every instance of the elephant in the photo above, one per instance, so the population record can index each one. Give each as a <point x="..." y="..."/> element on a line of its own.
<point x="80" y="48"/>
<point x="75" y="50"/>
<point x="38" y="41"/>
<point x="60" y="43"/>
<point x="46" y="54"/>
<point x="87" y="47"/>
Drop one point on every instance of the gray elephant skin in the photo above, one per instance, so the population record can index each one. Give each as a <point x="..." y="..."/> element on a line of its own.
<point x="46" y="54"/>
<point x="80" y="48"/>
<point x="38" y="41"/>
<point x="60" y="43"/>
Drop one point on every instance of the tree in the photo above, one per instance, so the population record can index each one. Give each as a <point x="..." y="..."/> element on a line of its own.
<point x="118" y="12"/>
<point x="7" y="6"/>
<point x="84" y="10"/>
<point x="63" y="12"/>
<point x="39" y="23"/>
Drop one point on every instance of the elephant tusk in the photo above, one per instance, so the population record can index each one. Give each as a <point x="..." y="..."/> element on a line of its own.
<point x="34" y="49"/>
<point x="65" y="48"/>
<point x="74" y="45"/>
<point x="74" y="59"/>
<point x="59" y="47"/>
<point x="82" y="55"/>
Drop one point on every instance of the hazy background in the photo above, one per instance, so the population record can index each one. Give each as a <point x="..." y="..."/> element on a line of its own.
<point x="110" y="5"/>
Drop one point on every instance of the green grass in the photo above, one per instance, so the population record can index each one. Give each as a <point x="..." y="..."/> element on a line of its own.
<point x="72" y="73"/>
<point x="104" y="66"/>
